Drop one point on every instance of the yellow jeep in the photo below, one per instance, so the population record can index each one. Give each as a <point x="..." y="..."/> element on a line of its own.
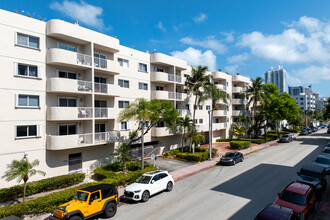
<point x="89" y="202"/>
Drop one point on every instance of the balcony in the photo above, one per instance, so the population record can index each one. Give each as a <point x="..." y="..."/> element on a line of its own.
<point x="222" y="87"/>
<point x="106" y="113"/>
<point x="219" y="126"/>
<point x="67" y="58"/>
<point x="162" y="59"/>
<point x="106" y="66"/>
<point x="162" y="77"/>
<point x="65" y="142"/>
<point x="238" y="89"/>
<point x="63" y="85"/>
<point x="239" y="101"/>
<point x="202" y="127"/>
<point x="239" y="112"/>
<point x="184" y="112"/>
<point x="106" y="137"/>
<point x="69" y="113"/>
<point x="179" y="80"/>
<point x="221" y="76"/>
<point x="162" y="132"/>
<point x="106" y="89"/>
<point x="219" y="113"/>
<point x="242" y="79"/>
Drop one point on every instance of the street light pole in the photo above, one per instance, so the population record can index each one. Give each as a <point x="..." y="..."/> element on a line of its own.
<point x="210" y="133"/>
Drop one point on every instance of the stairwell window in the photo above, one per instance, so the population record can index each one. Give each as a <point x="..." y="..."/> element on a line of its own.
<point x="143" y="86"/>
<point x="123" y="62"/>
<point x="27" y="101"/>
<point x="27" y="70"/>
<point x="123" y="83"/>
<point x="27" y="41"/>
<point x="143" y="67"/>
<point x="28" y="131"/>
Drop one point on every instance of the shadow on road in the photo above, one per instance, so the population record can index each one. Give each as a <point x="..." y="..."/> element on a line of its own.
<point x="251" y="184"/>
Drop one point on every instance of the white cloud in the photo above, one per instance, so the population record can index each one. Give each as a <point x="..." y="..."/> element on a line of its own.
<point x="238" y="58"/>
<point x="210" y="43"/>
<point x="196" y="57"/>
<point x="229" y="36"/>
<point x="311" y="74"/>
<point x="306" y="40"/>
<point x="83" y="12"/>
<point x="161" y="27"/>
<point x="231" y="69"/>
<point x="200" y="18"/>
<point x="293" y="80"/>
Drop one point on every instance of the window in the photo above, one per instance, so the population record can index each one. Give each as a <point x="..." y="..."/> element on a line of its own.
<point x="27" y="70"/>
<point x="123" y="104"/>
<point x="67" y="129"/>
<point x="26" y="131"/>
<point x="123" y="125"/>
<point x="100" y="60"/>
<point x="160" y="88"/>
<point x="158" y="69"/>
<point x="196" y="121"/>
<point x="67" y="47"/>
<point x="301" y="98"/>
<point x="123" y="83"/>
<point x="100" y="103"/>
<point x="146" y="124"/>
<point x="143" y="86"/>
<point x="27" y="101"/>
<point x="200" y="107"/>
<point x="27" y="41"/>
<point x="208" y="107"/>
<point x="123" y="62"/>
<point x="66" y="74"/>
<point x="99" y="128"/>
<point x="67" y="102"/>
<point x="217" y="120"/>
<point x="186" y="106"/>
<point x="200" y="121"/>
<point x="143" y="67"/>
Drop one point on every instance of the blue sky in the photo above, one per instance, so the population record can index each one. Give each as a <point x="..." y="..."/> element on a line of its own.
<point x="245" y="36"/>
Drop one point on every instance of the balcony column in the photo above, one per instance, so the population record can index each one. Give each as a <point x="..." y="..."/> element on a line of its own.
<point x="93" y="94"/>
<point x="174" y="73"/>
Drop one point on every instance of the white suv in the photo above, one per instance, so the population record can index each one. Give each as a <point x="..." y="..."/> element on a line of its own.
<point x="149" y="184"/>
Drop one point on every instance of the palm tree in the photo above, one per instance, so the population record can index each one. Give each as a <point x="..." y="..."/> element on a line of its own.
<point x="141" y="110"/>
<point x="195" y="82"/>
<point x="255" y="94"/>
<point x="185" y="123"/>
<point x="22" y="170"/>
<point x="123" y="153"/>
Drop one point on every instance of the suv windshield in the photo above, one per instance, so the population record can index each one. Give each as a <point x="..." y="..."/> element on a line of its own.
<point x="293" y="197"/>
<point x="144" y="179"/>
<point x="308" y="173"/>
<point x="81" y="196"/>
<point x="322" y="160"/>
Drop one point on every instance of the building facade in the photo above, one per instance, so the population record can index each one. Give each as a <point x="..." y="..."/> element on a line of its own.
<point x="305" y="97"/>
<point x="63" y="86"/>
<point x="277" y="77"/>
<point x="321" y="102"/>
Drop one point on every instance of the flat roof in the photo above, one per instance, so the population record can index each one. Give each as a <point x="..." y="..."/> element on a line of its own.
<point x="97" y="187"/>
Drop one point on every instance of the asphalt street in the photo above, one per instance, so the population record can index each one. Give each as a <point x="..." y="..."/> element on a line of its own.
<point x="235" y="192"/>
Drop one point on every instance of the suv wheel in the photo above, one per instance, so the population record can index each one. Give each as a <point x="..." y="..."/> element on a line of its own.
<point x="75" y="218"/>
<point x="169" y="186"/>
<point x="145" y="196"/>
<point x="110" y="210"/>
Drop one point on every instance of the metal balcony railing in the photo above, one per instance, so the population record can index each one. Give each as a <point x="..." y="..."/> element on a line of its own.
<point x="170" y="77"/>
<point x="100" y="62"/>
<point x="85" y="139"/>
<point x="84" y="86"/>
<point x="84" y="59"/>
<point x="101" y="112"/>
<point x="85" y="112"/>
<point x="100" y="88"/>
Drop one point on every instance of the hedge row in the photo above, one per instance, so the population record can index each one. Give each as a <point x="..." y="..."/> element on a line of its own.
<point x="281" y="132"/>
<point x="46" y="204"/>
<point x="239" y="145"/>
<point x="105" y="171"/>
<point x="115" y="167"/>
<point x="7" y="194"/>
<point x="185" y="149"/>
<point x="253" y="140"/>
<point x="197" y="156"/>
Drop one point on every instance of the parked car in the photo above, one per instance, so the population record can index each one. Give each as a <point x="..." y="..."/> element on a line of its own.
<point x="299" y="197"/>
<point x="149" y="184"/>
<point x="293" y="136"/>
<point x="326" y="151"/>
<point x="323" y="161"/>
<point x="275" y="212"/>
<point x="315" y="176"/>
<point x="314" y="129"/>
<point x="304" y="132"/>
<point x="285" y="138"/>
<point x="231" y="158"/>
<point x="88" y="203"/>
<point x="328" y="131"/>
<point x="309" y="130"/>
<point x="327" y="145"/>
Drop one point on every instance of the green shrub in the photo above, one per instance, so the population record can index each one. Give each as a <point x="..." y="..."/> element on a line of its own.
<point x="189" y="156"/>
<point x="240" y="145"/>
<point x="7" y="194"/>
<point x="173" y="152"/>
<point x="224" y="139"/>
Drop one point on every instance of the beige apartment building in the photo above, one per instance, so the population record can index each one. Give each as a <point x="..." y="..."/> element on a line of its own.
<point x="62" y="87"/>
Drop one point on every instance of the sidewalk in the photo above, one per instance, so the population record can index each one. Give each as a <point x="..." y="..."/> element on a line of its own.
<point x="323" y="213"/>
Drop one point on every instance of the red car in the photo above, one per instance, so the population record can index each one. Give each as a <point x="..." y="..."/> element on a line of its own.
<point x="298" y="197"/>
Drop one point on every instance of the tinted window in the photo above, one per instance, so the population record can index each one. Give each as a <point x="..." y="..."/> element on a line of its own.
<point x="163" y="175"/>
<point x="144" y="179"/>
<point x="327" y="151"/>
<point x="156" y="177"/>
<point x="308" y="173"/>
<point x="322" y="160"/>
<point x="95" y="196"/>
<point x="293" y="197"/>
<point x="81" y="196"/>
<point x="229" y="154"/>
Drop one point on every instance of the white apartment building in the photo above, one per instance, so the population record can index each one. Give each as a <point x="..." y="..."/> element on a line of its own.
<point x="62" y="87"/>
<point x="305" y="98"/>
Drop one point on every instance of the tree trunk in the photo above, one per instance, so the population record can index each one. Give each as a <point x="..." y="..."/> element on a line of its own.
<point x="24" y="190"/>
<point x="124" y="163"/>
<point x="142" y="145"/>
<point x="182" y="141"/>
<point x="254" y="118"/>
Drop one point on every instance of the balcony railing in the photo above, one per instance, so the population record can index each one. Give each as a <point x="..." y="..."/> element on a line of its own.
<point x="84" y="59"/>
<point x="101" y="112"/>
<point x="178" y="79"/>
<point x="85" y="139"/>
<point x="100" y="63"/>
<point x="100" y="88"/>
<point x="170" y="77"/>
<point x="85" y="112"/>
<point x="108" y="136"/>
<point x="179" y="96"/>
<point x="171" y="95"/>
<point x="84" y="86"/>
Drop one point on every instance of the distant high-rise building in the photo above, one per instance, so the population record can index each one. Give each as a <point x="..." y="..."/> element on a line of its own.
<point x="277" y="77"/>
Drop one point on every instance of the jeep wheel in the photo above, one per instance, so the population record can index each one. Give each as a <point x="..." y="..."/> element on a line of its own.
<point x="110" y="210"/>
<point x="145" y="196"/>
<point x="169" y="186"/>
<point x="75" y="218"/>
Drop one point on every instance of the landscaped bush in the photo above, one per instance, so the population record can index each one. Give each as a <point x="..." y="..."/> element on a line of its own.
<point x="7" y="194"/>
<point x="239" y="145"/>
<point x="189" y="156"/>
<point x="224" y="139"/>
<point x="41" y="204"/>
<point x="171" y="152"/>
<point x="292" y="130"/>
<point x="111" y="170"/>
<point x="281" y="132"/>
